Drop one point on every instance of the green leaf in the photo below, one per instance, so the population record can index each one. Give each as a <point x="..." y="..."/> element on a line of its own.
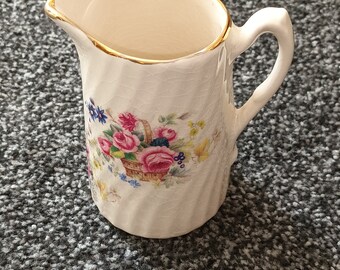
<point x="139" y="134"/>
<point x="161" y="119"/>
<point x="181" y="181"/>
<point x="173" y="171"/>
<point x="171" y="117"/>
<point x="108" y="132"/>
<point x="114" y="149"/>
<point x="115" y="128"/>
<point x="171" y="122"/>
<point x="168" y="182"/>
<point x="108" y="137"/>
<point x="143" y="144"/>
<point x="130" y="156"/>
<point x="141" y="137"/>
<point x="180" y="173"/>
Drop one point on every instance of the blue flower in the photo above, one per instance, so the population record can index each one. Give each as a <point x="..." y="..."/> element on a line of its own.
<point x="101" y="115"/>
<point x="122" y="176"/>
<point x="134" y="183"/>
<point x="92" y="111"/>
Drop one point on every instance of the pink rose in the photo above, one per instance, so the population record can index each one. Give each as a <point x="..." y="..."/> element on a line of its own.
<point x="128" y="121"/>
<point x="105" y="145"/>
<point x="126" y="142"/>
<point x="156" y="159"/>
<point x="163" y="132"/>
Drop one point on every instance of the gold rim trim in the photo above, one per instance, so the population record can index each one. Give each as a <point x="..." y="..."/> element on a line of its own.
<point x="54" y="14"/>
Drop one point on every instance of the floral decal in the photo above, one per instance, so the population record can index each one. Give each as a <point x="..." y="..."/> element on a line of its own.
<point x="156" y="154"/>
<point x="100" y="190"/>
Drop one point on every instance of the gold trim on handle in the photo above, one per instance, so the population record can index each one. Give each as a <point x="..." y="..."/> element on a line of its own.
<point x="54" y="14"/>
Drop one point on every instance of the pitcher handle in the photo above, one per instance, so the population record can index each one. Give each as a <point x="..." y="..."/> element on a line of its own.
<point x="267" y="20"/>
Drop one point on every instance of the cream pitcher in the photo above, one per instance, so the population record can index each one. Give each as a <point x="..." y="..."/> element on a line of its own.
<point x="160" y="120"/>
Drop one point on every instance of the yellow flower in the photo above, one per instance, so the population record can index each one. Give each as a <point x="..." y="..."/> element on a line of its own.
<point x="201" y="124"/>
<point x="201" y="150"/>
<point x="96" y="165"/>
<point x="117" y="154"/>
<point x="102" y="189"/>
<point x="190" y="124"/>
<point x="156" y="183"/>
<point x="193" y="132"/>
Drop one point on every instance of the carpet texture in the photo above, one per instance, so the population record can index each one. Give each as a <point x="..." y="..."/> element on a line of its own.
<point x="282" y="210"/>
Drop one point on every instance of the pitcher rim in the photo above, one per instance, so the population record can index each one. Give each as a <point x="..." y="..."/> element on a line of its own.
<point x="54" y="14"/>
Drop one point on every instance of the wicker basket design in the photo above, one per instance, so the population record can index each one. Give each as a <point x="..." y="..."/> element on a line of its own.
<point x="147" y="131"/>
<point x="133" y="168"/>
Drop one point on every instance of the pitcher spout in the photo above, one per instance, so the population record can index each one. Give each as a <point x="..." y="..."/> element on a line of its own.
<point x="59" y="13"/>
<point x="75" y="18"/>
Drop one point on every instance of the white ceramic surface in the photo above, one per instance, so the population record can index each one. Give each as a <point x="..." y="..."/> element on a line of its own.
<point x="161" y="137"/>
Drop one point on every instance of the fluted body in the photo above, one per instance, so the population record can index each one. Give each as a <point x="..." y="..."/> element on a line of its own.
<point x="185" y="102"/>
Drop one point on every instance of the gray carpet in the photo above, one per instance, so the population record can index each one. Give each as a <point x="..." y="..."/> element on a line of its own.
<point x="282" y="210"/>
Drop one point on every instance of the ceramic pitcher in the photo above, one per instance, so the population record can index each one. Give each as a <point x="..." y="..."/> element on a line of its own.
<point x="160" y="120"/>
